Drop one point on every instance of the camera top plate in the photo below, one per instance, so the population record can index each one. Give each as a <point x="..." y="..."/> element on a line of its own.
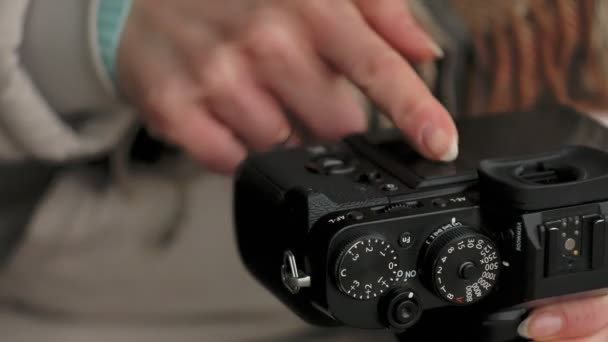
<point x="490" y="137"/>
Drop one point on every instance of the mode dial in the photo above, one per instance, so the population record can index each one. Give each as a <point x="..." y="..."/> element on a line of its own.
<point x="367" y="268"/>
<point x="462" y="265"/>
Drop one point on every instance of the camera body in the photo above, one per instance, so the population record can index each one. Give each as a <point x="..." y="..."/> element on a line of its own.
<point x="367" y="234"/>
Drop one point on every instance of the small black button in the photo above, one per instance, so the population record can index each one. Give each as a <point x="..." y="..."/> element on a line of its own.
<point x="467" y="271"/>
<point x="405" y="312"/>
<point x="334" y="166"/>
<point x="406" y="240"/>
<point x="390" y="187"/>
<point x="402" y="310"/>
<point x="331" y="165"/>
<point x="508" y="235"/>
<point x="330" y="162"/>
<point x="371" y="177"/>
<point x="313" y="167"/>
<point x="356" y="215"/>
<point x="340" y="170"/>
<point x="440" y="203"/>
<point x="318" y="150"/>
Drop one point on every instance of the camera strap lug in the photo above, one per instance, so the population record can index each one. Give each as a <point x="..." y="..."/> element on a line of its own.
<point x="293" y="278"/>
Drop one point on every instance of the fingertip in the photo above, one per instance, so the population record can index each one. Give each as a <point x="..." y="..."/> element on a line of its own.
<point x="452" y="153"/>
<point x="454" y="150"/>
<point x="432" y="130"/>
<point x="436" y="50"/>
<point x="225" y="165"/>
<point x="223" y="159"/>
<point x="420" y="47"/>
<point x="395" y="22"/>
<point x="208" y="141"/>
<point x="223" y="169"/>
<point x="567" y="320"/>
<point x="426" y="51"/>
<point x="523" y="329"/>
<point x="439" y="144"/>
<point x="541" y="326"/>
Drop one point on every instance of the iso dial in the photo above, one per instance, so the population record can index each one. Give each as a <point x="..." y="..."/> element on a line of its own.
<point x="367" y="268"/>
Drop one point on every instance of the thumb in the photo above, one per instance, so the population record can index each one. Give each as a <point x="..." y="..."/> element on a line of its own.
<point x="567" y="320"/>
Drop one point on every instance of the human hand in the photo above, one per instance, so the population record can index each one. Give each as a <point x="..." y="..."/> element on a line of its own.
<point x="578" y="321"/>
<point x="213" y="76"/>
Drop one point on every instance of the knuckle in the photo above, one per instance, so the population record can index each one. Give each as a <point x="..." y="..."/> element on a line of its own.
<point x="317" y="11"/>
<point x="156" y="99"/>
<point x="222" y="74"/>
<point x="156" y="105"/>
<point x="377" y="70"/>
<point x="269" y="41"/>
<point x="313" y="8"/>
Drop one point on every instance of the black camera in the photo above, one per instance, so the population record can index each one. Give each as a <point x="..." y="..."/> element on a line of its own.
<point x="367" y="234"/>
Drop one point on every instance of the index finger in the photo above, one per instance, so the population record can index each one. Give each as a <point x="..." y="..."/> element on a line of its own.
<point x="344" y="38"/>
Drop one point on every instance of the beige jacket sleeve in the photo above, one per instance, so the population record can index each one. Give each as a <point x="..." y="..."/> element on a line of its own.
<point x="55" y="104"/>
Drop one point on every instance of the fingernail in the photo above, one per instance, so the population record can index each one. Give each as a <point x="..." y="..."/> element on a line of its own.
<point x="284" y="135"/>
<point x="541" y="326"/>
<point x="439" y="144"/>
<point x="437" y="50"/>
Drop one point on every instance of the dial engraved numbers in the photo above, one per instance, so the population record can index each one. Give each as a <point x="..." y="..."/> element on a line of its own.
<point x="367" y="269"/>
<point x="466" y="270"/>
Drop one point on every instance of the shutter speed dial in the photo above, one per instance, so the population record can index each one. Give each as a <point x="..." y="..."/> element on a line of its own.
<point x="367" y="268"/>
<point x="462" y="265"/>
